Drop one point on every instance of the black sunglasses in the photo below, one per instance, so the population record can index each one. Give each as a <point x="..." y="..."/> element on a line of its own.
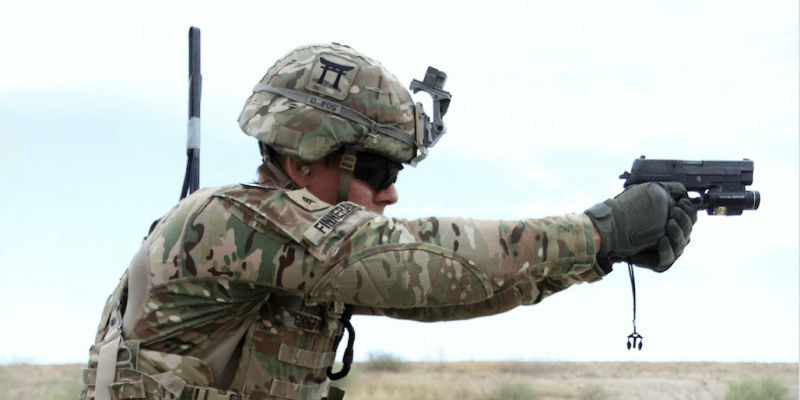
<point x="378" y="172"/>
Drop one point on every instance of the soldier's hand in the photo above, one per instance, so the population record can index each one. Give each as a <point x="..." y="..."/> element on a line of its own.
<point x="648" y="225"/>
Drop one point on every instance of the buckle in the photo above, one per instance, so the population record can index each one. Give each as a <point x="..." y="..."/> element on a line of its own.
<point x="208" y="393"/>
<point x="348" y="162"/>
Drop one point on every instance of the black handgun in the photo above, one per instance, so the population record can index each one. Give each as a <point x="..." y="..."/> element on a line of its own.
<point x="722" y="185"/>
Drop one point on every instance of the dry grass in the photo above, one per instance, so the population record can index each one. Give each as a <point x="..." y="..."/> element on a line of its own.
<point x="45" y="382"/>
<point x="561" y="380"/>
<point x="478" y="380"/>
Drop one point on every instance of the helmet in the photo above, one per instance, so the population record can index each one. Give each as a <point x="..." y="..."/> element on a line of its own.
<point x="320" y="98"/>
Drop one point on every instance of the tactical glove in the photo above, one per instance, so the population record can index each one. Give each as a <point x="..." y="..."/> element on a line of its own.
<point x="648" y="225"/>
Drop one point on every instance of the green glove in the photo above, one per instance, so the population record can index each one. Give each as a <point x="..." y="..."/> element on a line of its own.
<point x="648" y="225"/>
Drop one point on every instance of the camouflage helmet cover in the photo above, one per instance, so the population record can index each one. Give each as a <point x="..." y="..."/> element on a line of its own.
<point x="331" y="77"/>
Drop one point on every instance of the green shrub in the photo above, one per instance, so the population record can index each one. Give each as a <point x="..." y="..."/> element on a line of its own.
<point x="516" y="391"/>
<point x="65" y="390"/>
<point x="592" y="393"/>
<point x="767" y="388"/>
<point x="384" y="362"/>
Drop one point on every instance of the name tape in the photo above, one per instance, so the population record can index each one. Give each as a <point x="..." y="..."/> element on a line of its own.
<point x="325" y="224"/>
<point x="326" y="105"/>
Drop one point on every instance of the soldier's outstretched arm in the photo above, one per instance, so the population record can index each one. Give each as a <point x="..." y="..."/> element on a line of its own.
<point x="438" y="263"/>
<point x="294" y="243"/>
<point x="454" y="268"/>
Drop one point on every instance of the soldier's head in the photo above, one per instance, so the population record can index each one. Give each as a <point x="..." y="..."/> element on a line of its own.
<point x="334" y="121"/>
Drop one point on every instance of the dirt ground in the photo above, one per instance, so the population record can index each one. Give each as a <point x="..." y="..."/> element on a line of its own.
<point x="479" y="380"/>
<point x="564" y="380"/>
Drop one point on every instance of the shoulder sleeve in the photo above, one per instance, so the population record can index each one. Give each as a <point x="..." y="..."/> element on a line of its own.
<point x="437" y="263"/>
<point x="295" y="242"/>
<point x="297" y="215"/>
<point x="261" y="235"/>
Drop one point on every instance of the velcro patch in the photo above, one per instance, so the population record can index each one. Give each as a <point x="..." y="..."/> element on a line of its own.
<point x="306" y="200"/>
<point x="332" y="76"/>
<point x="325" y="224"/>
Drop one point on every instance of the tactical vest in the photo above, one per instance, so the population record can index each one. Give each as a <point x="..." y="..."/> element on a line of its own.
<point x="281" y="352"/>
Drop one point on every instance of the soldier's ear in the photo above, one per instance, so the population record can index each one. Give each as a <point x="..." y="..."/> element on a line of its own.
<point x="298" y="171"/>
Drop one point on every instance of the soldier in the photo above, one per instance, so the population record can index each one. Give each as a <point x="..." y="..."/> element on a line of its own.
<point x="244" y="291"/>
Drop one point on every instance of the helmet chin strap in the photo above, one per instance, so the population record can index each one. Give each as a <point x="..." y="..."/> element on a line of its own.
<point x="346" y="166"/>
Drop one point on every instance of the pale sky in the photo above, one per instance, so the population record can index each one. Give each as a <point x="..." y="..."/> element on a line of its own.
<point x="551" y="102"/>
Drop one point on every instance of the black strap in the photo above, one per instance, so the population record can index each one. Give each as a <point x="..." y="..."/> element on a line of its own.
<point x="634" y="339"/>
<point x="347" y="359"/>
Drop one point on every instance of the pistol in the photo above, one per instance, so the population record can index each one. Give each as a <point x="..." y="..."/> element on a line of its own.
<point x="721" y="185"/>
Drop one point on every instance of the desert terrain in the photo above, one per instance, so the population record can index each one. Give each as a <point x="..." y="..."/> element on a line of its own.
<point x="389" y="379"/>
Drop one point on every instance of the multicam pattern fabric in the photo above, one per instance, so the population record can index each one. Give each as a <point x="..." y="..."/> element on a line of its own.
<point x="239" y="297"/>
<point x="351" y="79"/>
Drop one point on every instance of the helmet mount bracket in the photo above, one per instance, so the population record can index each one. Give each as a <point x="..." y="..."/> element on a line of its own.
<point x="433" y="84"/>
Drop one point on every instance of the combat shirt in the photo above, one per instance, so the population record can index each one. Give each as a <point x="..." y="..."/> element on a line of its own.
<point x="240" y="288"/>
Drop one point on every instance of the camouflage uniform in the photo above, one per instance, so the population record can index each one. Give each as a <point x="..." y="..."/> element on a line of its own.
<point x="238" y="291"/>
<point x="266" y="271"/>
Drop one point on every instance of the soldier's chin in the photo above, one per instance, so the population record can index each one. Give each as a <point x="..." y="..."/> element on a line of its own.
<point x="375" y="209"/>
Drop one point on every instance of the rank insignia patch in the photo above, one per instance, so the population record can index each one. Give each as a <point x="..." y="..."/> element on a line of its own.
<point x="306" y="200"/>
